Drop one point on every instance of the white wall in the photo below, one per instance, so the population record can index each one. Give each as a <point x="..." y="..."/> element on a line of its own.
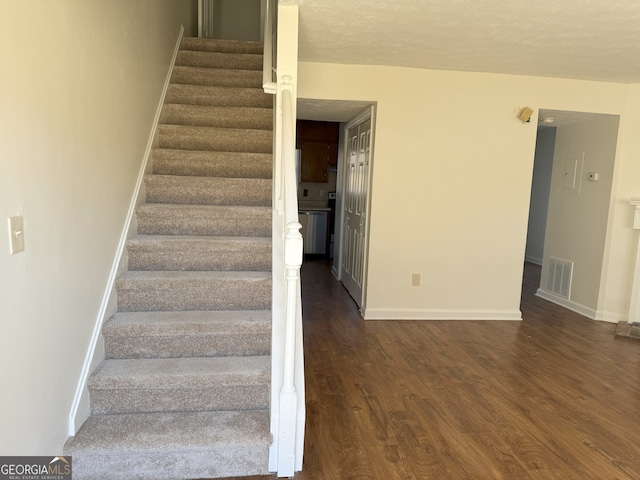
<point x="577" y="219"/>
<point x="80" y="82"/>
<point x="540" y="185"/>
<point x="451" y="180"/>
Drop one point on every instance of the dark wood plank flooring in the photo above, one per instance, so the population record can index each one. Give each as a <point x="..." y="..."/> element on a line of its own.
<point x="556" y="396"/>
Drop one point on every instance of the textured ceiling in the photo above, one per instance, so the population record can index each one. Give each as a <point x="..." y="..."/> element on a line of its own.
<point x="580" y="39"/>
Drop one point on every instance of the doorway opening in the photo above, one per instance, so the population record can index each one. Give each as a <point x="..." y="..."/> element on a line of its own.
<point x="569" y="207"/>
<point x="348" y="186"/>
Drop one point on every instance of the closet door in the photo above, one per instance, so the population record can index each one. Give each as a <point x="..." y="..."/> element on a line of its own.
<point x="354" y="215"/>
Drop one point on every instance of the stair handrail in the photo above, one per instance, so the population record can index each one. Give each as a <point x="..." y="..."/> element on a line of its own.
<point x="269" y="41"/>
<point x="289" y="186"/>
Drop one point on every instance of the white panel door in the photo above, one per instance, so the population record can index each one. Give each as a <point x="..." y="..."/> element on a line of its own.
<point x="354" y="215"/>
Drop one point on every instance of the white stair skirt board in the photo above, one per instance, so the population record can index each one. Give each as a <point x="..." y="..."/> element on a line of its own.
<point x="421" y="314"/>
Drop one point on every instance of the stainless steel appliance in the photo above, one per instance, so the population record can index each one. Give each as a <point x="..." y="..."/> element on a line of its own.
<point x="314" y="230"/>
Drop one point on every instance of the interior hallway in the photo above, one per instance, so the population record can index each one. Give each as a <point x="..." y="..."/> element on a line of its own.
<point x="556" y="396"/>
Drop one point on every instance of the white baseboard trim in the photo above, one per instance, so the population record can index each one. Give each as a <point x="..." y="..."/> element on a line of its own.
<point x="568" y="304"/>
<point x="590" y="313"/>
<point x="335" y="272"/>
<point x="80" y="407"/>
<point x="428" y="314"/>
<point x="610" y="317"/>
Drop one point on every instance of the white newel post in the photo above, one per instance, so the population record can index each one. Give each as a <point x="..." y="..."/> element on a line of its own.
<point x="288" y="393"/>
<point x="634" y="307"/>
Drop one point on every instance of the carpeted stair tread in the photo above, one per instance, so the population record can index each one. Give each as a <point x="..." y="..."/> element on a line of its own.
<point x="180" y="137"/>
<point x="168" y="446"/>
<point x="187" y="333"/>
<point x="188" y="323"/>
<point x="236" y="61"/>
<point x="212" y="164"/>
<point x="214" y="96"/>
<point x="187" y="252"/>
<point x="179" y="430"/>
<point x="169" y="373"/>
<point x="207" y="190"/>
<point x="214" y="116"/>
<point x="219" y="77"/>
<point x="219" y="220"/>
<point x="221" y="45"/>
<point x="193" y="290"/>
<point x="180" y="384"/>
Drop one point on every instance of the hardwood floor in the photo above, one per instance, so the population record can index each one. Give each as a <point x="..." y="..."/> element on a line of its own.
<point x="556" y="396"/>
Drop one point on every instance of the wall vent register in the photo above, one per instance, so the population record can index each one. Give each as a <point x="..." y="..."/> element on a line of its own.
<point x="559" y="277"/>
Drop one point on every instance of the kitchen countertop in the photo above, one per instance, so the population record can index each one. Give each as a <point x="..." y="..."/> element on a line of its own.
<point x="313" y="209"/>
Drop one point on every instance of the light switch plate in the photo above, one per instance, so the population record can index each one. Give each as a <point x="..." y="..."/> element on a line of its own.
<point x="16" y="235"/>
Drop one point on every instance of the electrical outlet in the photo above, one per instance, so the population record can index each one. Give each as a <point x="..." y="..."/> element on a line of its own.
<point x="16" y="235"/>
<point x="415" y="280"/>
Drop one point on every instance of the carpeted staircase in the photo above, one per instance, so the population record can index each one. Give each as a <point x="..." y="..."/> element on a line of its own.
<point x="184" y="390"/>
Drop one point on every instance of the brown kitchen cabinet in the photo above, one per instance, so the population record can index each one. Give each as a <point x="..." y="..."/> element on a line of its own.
<point x="318" y="144"/>
<point x="314" y="164"/>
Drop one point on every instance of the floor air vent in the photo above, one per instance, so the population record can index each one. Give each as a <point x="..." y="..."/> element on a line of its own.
<point x="559" y="277"/>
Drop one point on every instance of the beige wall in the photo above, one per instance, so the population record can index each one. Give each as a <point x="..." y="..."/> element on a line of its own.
<point x="237" y="20"/>
<point x="577" y="218"/>
<point x="451" y="180"/>
<point x="81" y="82"/>
<point x="622" y="240"/>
